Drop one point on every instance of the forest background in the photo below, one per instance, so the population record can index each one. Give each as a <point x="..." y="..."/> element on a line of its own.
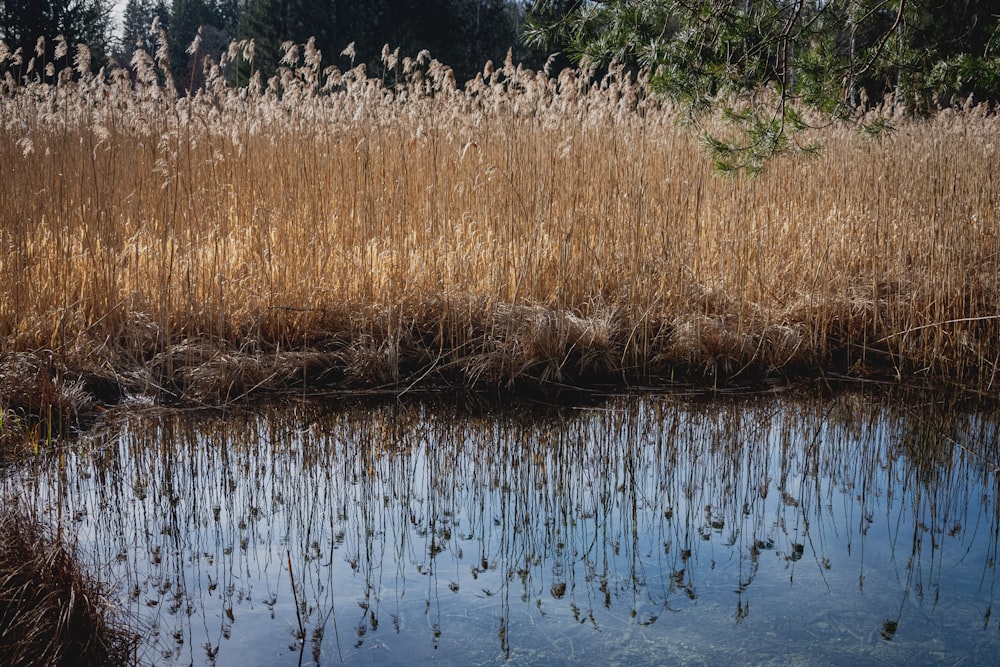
<point x="462" y="33"/>
<point x="846" y="53"/>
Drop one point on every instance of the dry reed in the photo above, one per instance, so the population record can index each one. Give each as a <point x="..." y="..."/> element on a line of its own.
<point x="51" y="611"/>
<point x="333" y="228"/>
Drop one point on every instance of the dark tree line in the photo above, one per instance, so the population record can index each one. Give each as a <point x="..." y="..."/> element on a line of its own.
<point x="29" y="28"/>
<point x="462" y="33"/>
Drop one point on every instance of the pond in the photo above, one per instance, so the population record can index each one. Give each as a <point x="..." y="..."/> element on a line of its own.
<point x="651" y="529"/>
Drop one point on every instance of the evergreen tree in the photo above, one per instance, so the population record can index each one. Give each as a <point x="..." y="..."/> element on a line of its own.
<point x="187" y="18"/>
<point x="464" y="34"/>
<point x="948" y="50"/>
<point x="757" y="60"/>
<point x="360" y="24"/>
<point x="547" y="33"/>
<point x="136" y="23"/>
<point x="23" y="22"/>
<point x="272" y="22"/>
<point x="256" y="22"/>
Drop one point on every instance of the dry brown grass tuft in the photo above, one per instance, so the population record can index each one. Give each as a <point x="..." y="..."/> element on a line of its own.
<point x="51" y="611"/>
<point x="327" y="228"/>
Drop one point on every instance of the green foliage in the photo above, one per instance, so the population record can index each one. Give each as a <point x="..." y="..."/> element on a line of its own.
<point x="755" y="62"/>
<point x="544" y="43"/>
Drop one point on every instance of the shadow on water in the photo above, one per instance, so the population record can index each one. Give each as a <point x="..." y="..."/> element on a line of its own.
<point x="644" y="530"/>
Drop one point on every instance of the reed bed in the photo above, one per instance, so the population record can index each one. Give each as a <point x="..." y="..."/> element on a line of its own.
<point x="337" y="228"/>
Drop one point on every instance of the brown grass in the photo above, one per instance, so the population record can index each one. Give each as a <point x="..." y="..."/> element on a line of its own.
<point x="332" y="228"/>
<point x="51" y="611"/>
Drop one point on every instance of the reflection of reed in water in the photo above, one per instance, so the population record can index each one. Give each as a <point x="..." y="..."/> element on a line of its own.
<point x="417" y="525"/>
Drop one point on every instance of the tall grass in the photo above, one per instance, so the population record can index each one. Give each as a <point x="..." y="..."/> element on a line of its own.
<point x="52" y="612"/>
<point x="388" y="229"/>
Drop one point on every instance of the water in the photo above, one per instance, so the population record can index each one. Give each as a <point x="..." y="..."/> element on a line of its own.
<point x="644" y="530"/>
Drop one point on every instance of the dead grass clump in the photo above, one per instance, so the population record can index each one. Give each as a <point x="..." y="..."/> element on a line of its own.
<point x="32" y="386"/>
<point x="51" y="611"/>
<point x="783" y="346"/>
<point x="709" y="344"/>
<point x="199" y="371"/>
<point x="544" y="345"/>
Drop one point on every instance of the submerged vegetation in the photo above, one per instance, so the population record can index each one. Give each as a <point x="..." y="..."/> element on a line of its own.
<point x="357" y="229"/>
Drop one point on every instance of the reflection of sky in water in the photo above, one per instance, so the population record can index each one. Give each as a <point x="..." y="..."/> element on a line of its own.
<point x="642" y="531"/>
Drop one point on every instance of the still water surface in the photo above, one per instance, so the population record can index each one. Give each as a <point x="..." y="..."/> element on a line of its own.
<point x="644" y="530"/>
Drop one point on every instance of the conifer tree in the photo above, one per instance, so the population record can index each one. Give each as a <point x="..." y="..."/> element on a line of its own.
<point x="760" y="62"/>
<point x="23" y="22"/>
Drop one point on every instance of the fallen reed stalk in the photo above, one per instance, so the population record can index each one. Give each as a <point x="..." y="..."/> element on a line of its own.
<point x="327" y="228"/>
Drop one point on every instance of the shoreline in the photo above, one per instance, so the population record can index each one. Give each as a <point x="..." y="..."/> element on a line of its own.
<point x="543" y="352"/>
